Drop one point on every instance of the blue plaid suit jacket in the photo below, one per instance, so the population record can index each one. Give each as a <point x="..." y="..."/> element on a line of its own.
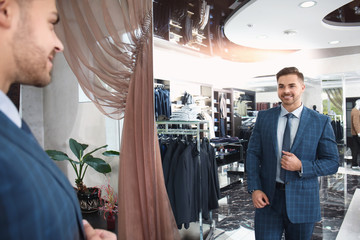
<point x="36" y="199"/>
<point x="314" y="145"/>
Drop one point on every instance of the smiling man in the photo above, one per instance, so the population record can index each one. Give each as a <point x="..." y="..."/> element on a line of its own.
<point x="36" y="199"/>
<point x="290" y="147"/>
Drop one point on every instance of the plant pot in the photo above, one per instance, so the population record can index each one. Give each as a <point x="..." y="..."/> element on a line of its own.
<point x="89" y="200"/>
<point x="110" y="221"/>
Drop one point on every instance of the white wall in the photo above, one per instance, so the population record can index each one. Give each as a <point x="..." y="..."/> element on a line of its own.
<point x="352" y="89"/>
<point x="32" y="100"/>
<point x="271" y="97"/>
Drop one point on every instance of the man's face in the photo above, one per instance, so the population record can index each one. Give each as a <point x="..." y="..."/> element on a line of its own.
<point x="35" y="43"/>
<point x="290" y="89"/>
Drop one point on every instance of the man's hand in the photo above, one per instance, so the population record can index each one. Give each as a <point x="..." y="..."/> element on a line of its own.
<point x="97" y="234"/>
<point x="290" y="162"/>
<point x="259" y="199"/>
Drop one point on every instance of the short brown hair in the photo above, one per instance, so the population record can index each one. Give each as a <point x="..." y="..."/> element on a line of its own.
<point x="290" y="70"/>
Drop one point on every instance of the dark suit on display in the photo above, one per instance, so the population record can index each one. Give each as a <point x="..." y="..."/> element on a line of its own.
<point x="314" y="145"/>
<point x="36" y="199"/>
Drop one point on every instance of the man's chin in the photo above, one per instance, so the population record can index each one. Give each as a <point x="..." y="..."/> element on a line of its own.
<point x="43" y="83"/>
<point x="38" y="83"/>
<point x="286" y="100"/>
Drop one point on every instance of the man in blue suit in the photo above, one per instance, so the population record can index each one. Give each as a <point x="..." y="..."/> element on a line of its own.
<point x="290" y="147"/>
<point x="36" y="199"/>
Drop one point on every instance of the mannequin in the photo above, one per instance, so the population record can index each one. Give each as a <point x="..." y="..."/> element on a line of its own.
<point x="355" y="132"/>
<point x="314" y="108"/>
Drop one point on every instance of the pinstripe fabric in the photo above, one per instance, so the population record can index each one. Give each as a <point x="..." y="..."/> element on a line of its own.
<point x="36" y="199"/>
<point x="314" y="145"/>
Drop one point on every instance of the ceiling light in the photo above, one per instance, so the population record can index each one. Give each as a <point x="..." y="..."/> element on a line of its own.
<point x="307" y="4"/>
<point x="334" y="42"/>
<point x="290" y="32"/>
<point x="262" y="36"/>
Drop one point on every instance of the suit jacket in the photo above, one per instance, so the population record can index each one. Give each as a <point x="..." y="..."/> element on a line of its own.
<point x="36" y="199"/>
<point x="314" y="145"/>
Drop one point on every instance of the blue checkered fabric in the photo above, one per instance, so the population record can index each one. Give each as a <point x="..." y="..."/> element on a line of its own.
<point x="36" y="199"/>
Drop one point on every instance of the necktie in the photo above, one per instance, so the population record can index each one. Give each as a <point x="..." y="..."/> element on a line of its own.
<point x="286" y="142"/>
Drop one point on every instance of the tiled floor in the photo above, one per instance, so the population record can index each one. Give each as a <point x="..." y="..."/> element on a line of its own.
<point x="234" y="218"/>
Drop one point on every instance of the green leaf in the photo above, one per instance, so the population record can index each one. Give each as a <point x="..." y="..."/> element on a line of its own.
<point x="57" y="155"/>
<point x="77" y="148"/>
<point x="95" y="150"/>
<point x="111" y="153"/>
<point x="98" y="164"/>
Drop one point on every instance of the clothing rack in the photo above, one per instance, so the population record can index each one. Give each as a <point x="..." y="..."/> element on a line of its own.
<point x="335" y="117"/>
<point x="196" y="132"/>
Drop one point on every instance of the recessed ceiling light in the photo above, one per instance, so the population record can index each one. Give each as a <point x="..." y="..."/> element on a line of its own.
<point x="290" y="32"/>
<point x="262" y="36"/>
<point x="307" y="4"/>
<point x="334" y="42"/>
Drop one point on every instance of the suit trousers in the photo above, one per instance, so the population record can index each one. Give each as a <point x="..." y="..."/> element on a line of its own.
<point x="272" y="221"/>
<point x="355" y="150"/>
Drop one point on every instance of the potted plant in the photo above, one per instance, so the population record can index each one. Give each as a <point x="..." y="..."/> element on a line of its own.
<point x="88" y="197"/>
<point x="108" y="204"/>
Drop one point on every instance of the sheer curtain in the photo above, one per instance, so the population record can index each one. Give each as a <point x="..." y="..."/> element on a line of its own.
<point x="108" y="45"/>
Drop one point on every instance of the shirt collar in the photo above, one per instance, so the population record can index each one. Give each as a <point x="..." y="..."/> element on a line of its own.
<point x="297" y="112"/>
<point x="9" y="109"/>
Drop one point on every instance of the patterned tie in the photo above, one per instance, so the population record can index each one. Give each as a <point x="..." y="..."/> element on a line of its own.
<point x="286" y="143"/>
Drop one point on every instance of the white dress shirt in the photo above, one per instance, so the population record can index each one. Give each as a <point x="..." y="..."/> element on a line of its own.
<point x="294" y="125"/>
<point x="9" y="109"/>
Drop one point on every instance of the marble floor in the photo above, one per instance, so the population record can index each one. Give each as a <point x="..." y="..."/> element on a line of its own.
<point x="234" y="217"/>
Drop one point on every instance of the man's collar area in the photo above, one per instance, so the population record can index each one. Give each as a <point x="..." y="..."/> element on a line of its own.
<point x="296" y="112"/>
<point x="9" y="109"/>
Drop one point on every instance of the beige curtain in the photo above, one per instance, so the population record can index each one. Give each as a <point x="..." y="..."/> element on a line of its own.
<point x="108" y="45"/>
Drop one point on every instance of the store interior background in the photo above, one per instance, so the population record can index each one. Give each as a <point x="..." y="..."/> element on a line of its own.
<point x="61" y="111"/>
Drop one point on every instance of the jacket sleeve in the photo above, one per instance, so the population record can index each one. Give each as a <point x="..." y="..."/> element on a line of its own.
<point x="327" y="161"/>
<point x="253" y="157"/>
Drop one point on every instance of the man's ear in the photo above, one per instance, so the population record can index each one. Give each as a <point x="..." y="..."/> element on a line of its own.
<point x="6" y="13"/>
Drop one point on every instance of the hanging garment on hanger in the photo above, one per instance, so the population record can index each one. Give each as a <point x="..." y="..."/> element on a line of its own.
<point x="182" y="179"/>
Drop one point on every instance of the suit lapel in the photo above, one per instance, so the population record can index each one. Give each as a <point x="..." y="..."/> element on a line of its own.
<point x="304" y="119"/>
<point x="24" y="138"/>
<point x="274" y="125"/>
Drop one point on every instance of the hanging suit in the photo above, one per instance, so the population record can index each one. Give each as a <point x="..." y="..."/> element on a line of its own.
<point x="36" y="199"/>
<point x="182" y="179"/>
